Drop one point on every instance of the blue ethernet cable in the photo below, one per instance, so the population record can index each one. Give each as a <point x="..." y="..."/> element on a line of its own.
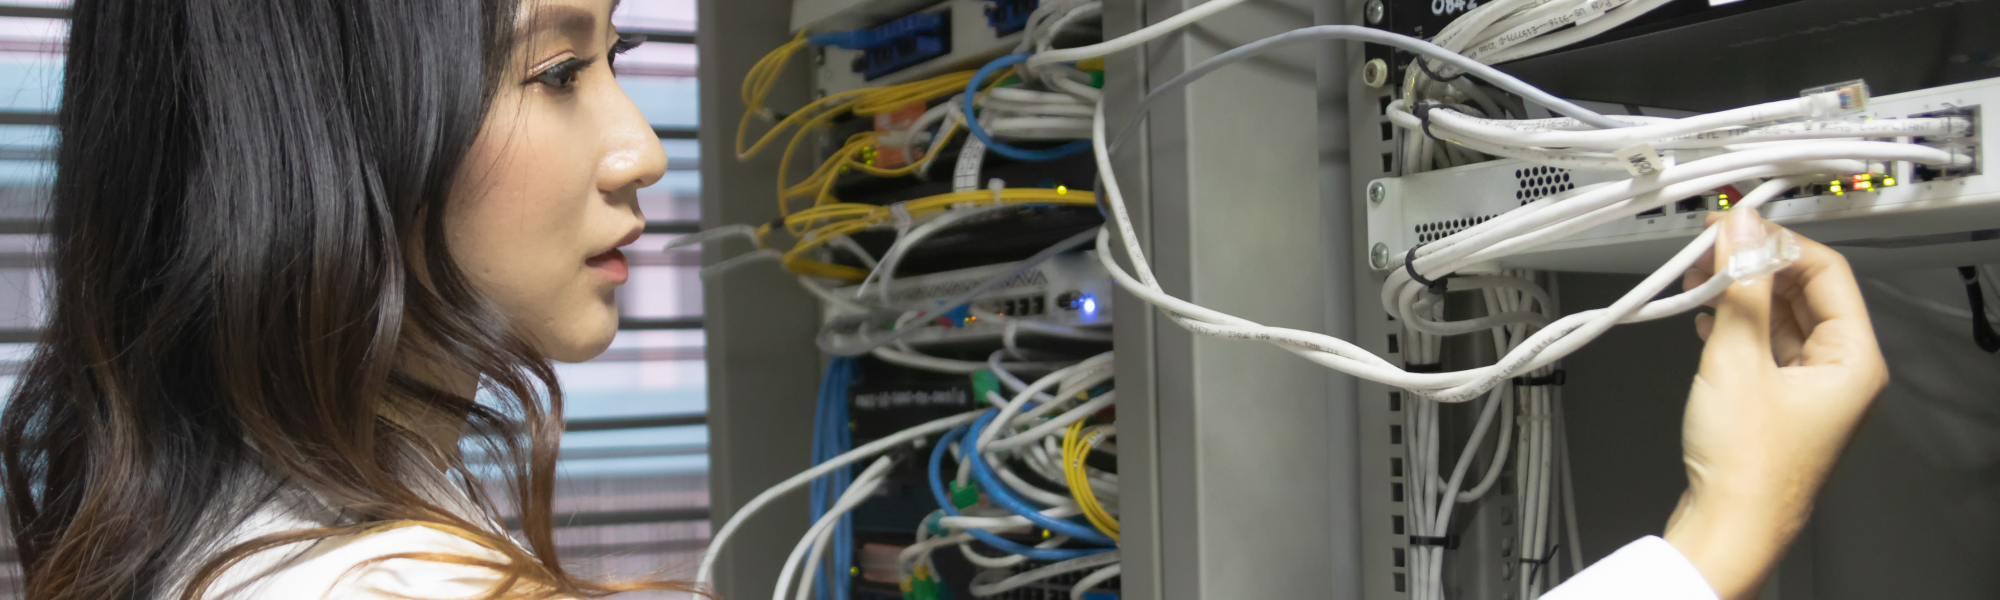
<point x="831" y="438"/>
<point x="1000" y="494"/>
<point x="1004" y="545"/>
<point x="978" y="131"/>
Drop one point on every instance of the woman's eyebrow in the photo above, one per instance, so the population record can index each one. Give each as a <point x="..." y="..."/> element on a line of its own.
<point x="570" y="21"/>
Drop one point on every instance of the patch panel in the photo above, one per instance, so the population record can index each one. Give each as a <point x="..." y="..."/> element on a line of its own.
<point x="959" y="37"/>
<point x="835" y="15"/>
<point x="894" y="46"/>
<point x="1909" y="216"/>
<point x="1008" y="17"/>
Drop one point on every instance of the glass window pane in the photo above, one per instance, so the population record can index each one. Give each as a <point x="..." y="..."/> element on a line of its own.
<point x="664" y="283"/>
<point x="658" y="59"/>
<point x="677" y="197"/>
<point x="666" y="101"/>
<point x="31" y="63"/>
<point x="627" y="382"/>
<point x="655" y="15"/>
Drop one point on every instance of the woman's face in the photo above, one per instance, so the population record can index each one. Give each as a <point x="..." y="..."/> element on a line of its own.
<point x="550" y="190"/>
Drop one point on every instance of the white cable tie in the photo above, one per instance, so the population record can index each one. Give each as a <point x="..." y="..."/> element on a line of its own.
<point x="901" y="212"/>
<point x="996" y="185"/>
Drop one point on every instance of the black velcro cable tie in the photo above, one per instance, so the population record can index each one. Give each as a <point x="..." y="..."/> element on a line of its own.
<point x="1975" y="299"/>
<point x="1536" y="570"/>
<point x="1410" y="266"/>
<point x="1449" y="542"/>
<point x="777" y="224"/>
<point x="1424" y="116"/>
<point x="1423" y="367"/>
<point x="1556" y="378"/>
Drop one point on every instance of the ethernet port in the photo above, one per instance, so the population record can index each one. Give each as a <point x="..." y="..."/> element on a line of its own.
<point x="1657" y="212"/>
<point x="1966" y="142"/>
<point x="1688" y="205"/>
<point x="1969" y="113"/>
<point x="1921" y="172"/>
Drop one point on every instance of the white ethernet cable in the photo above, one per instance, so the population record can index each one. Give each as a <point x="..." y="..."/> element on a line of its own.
<point x="1134" y="39"/>
<point x="1068" y="382"/>
<point x="1045" y="572"/>
<point x="706" y="571"/>
<point x="1094" y="579"/>
<point x="1504" y="30"/>
<point x="821" y="532"/>
<point x="1710" y="130"/>
<point x="1536" y="447"/>
<point x="1515" y="231"/>
<point x="1085" y="11"/>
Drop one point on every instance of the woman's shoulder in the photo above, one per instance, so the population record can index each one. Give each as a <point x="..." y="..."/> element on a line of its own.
<point x="414" y="561"/>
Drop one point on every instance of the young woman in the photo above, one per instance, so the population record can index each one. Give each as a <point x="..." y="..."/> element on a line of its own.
<point x="302" y="250"/>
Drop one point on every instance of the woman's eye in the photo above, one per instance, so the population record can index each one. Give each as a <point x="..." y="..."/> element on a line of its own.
<point x="563" y="74"/>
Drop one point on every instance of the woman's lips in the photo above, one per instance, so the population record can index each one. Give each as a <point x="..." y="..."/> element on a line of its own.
<point x="612" y="264"/>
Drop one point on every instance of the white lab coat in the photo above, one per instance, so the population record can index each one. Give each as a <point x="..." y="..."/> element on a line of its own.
<point x="1648" y="569"/>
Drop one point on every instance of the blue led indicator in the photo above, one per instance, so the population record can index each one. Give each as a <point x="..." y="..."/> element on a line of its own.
<point x="1089" y="306"/>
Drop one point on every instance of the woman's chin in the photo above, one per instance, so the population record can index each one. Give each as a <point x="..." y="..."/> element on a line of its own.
<point x="582" y="341"/>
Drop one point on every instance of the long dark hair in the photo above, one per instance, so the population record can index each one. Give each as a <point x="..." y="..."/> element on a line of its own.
<point x="251" y="292"/>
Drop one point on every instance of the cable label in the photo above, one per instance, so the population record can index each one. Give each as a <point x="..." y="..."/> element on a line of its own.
<point x="906" y="398"/>
<point x="1641" y="160"/>
<point x="1445" y="7"/>
<point x="1527" y="31"/>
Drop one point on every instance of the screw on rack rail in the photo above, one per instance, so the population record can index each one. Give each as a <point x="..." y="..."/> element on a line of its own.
<point x="1378" y="256"/>
<point x="1375" y="73"/>
<point x="1375" y="12"/>
<point x="1377" y="192"/>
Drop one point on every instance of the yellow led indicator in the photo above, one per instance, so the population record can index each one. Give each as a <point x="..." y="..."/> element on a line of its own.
<point x="1062" y="189"/>
<point x="1836" y="188"/>
<point x="1045" y="534"/>
<point x="1863" y="185"/>
<point x="1723" y="201"/>
<point x="1889" y="182"/>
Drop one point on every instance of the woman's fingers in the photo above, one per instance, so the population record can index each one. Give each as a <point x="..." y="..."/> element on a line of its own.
<point x="1787" y="339"/>
<point x="1742" y="331"/>
<point x="1839" y="329"/>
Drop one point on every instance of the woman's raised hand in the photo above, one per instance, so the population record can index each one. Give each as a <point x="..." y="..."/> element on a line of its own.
<point x="1789" y="369"/>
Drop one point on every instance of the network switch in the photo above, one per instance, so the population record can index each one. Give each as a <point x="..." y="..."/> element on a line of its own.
<point x="1899" y="214"/>
<point x="1070" y="292"/>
